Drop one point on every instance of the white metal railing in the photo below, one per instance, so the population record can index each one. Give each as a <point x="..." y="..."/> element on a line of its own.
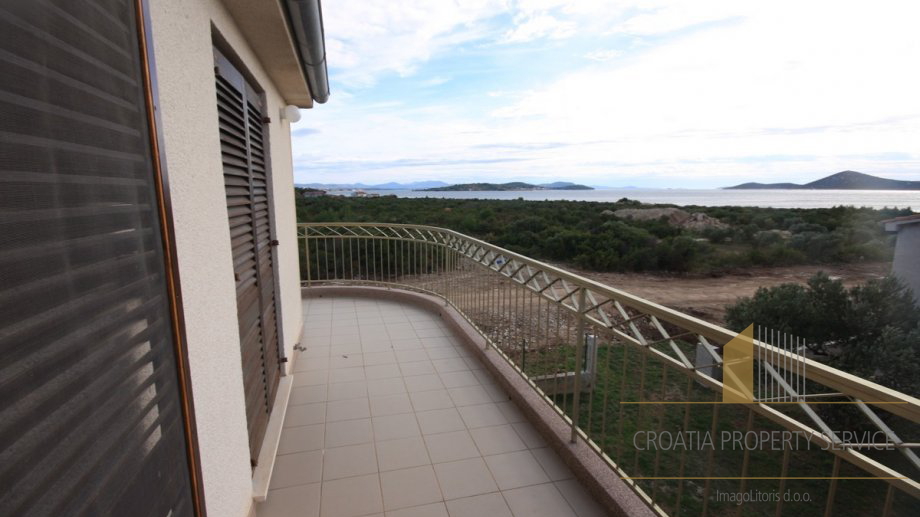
<point x="539" y="318"/>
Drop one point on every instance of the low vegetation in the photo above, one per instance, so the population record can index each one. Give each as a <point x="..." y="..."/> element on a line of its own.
<point x="589" y="235"/>
<point x="872" y="331"/>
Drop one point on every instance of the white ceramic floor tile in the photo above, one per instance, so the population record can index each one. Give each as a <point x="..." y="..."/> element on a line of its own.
<point x="390" y="405"/>
<point x="516" y="469"/>
<point x="417" y="368"/>
<point x="440" y="421"/>
<point x="355" y="373"/>
<point x="306" y="414"/>
<point x="385" y="396"/>
<point x="302" y="501"/>
<point x="579" y="499"/>
<point x="486" y="505"/>
<point x="497" y="439"/>
<point x="348" y="409"/>
<point x="428" y="400"/>
<point x="465" y="478"/>
<point x="299" y="468"/>
<point x="349" y="432"/>
<point x="351" y="497"/>
<point x="301" y="439"/>
<point x="308" y="395"/>
<point x="538" y="501"/>
<point x="411" y="356"/>
<point x="552" y="464"/>
<point x="348" y="461"/>
<point x="391" y="427"/>
<point x="347" y="390"/>
<point x="376" y="358"/>
<point x="469" y="395"/>
<point x="425" y="510"/>
<point x="459" y="379"/>
<point x="402" y="453"/>
<point x="482" y="415"/>
<point x="423" y="383"/>
<point x="379" y="387"/>
<point x="452" y="446"/>
<point x="342" y="360"/>
<point x="531" y="437"/>
<point x="382" y="371"/>
<point x="311" y="378"/>
<point x="409" y="487"/>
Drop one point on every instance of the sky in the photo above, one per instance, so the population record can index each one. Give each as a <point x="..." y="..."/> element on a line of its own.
<point x="646" y="93"/>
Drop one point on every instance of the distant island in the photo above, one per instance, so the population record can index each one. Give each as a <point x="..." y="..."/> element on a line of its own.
<point x="381" y="186"/>
<point x="500" y="187"/>
<point x="846" y="180"/>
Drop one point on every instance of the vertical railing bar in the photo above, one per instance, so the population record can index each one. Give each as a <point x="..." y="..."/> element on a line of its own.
<point x="518" y="315"/>
<point x="745" y="463"/>
<point x="832" y="491"/>
<point x="640" y="398"/>
<point x="606" y="384"/>
<point x="787" y="454"/>
<point x="889" y="500"/>
<point x="309" y="266"/>
<point x="325" y="271"/>
<point x="804" y="366"/>
<point x="664" y="385"/>
<point x="788" y="362"/>
<point x="683" y="450"/>
<point x="556" y="356"/>
<point x="533" y="323"/>
<point x="711" y="457"/>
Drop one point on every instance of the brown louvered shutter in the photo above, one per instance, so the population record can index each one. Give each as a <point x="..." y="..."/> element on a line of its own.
<point x="243" y="151"/>
<point x="91" y="419"/>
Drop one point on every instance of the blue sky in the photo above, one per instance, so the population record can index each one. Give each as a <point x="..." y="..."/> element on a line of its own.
<point x="640" y="92"/>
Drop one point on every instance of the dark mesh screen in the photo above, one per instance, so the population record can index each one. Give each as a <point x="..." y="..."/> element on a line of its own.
<point x="90" y="416"/>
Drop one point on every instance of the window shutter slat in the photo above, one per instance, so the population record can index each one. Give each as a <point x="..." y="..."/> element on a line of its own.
<point x="91" y="421"/>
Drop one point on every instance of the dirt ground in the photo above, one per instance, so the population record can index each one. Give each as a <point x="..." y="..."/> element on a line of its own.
<point x="706" y="297"/>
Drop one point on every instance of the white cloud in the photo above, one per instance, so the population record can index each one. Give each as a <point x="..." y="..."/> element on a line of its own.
<point x="820" y="83"/>
<point x="365" y="39"/>
<point x="603" y="54"/>
<point x="540" y="26"/>
<point x="714" y="92"/>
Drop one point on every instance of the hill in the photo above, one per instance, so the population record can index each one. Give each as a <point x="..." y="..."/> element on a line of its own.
<point x="754" y="185"/>
<point x="382" y="186"/>
<point x="845" y="180"/>
<point x="514" y="185"/>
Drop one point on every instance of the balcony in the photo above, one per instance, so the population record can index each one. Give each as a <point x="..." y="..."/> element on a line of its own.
<point x="390" y="412"/>
<point x="545" y="378"/>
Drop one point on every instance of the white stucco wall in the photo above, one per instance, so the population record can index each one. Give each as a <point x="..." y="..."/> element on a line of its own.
<point x="181" y="31"/>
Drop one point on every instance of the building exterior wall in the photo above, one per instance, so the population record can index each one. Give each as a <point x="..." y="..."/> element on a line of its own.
<point x="907" y="257"/>
<point x="181" y="32"/>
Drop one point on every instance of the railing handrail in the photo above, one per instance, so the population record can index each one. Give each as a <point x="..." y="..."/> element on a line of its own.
<point x="865" y="391"/>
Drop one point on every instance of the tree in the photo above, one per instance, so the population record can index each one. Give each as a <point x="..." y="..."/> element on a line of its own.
<point x="872" y="331"/>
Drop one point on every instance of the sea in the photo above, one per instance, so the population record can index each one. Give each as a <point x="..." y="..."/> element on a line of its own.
<point x="698" y="197"/>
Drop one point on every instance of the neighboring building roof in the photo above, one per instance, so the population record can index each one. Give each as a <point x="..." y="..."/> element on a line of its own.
<point x="892" y="225"/>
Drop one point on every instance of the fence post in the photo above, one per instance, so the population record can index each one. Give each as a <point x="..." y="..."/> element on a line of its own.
<point x="579" y="351"/>
<point x="306" y="243"/>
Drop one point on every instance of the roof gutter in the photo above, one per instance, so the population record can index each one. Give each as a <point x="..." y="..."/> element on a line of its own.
<point x="307" y="23"/>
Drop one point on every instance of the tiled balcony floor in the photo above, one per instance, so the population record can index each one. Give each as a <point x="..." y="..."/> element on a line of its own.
<point x="390" y="415"/>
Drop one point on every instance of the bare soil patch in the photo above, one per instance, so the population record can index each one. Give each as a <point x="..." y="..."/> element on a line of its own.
<point x="707" y="297"/>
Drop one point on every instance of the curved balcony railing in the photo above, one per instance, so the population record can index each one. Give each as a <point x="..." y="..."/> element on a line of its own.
<point x="617" y="367"/>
